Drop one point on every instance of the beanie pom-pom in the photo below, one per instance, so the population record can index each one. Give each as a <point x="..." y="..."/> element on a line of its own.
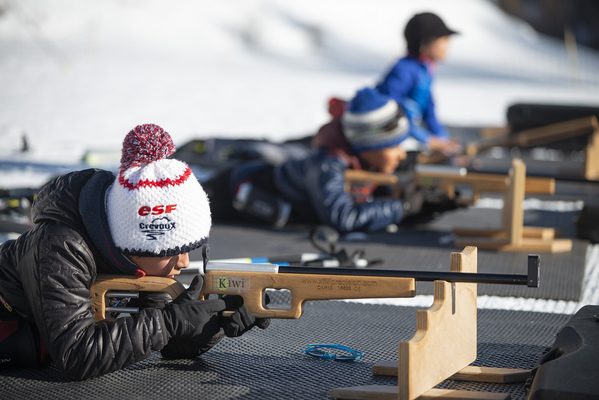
<point x="145" y="144"/>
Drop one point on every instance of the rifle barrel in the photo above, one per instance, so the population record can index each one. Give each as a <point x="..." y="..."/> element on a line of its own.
<point x="531" y="279"/>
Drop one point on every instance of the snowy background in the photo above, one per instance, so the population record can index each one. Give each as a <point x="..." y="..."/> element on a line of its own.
<point x="78" y="75"/>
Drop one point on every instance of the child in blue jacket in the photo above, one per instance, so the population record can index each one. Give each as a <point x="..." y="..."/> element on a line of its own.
<point x="410" y="79"/>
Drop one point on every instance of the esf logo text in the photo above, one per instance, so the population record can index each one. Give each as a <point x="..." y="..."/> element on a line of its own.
<point x="156" y="210"/>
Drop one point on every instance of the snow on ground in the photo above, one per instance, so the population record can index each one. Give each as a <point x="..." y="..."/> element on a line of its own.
<point x="79" y="74"/>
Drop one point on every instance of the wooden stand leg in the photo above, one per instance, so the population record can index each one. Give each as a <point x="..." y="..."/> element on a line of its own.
<point x="591" y="159"/>
<point x="528" y="232"/>
<point x="468" y="374"/>
<point x="444" y="344"/>
<point x="377" y="392"/>
<point x="513" y="235"/>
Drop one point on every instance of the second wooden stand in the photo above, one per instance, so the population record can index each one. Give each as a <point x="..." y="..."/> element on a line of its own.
<point x="513" y="235"/>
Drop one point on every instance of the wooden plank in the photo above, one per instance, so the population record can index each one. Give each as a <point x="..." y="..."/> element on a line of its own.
<point x="539" y="185"/>
<point x="491" y="375"/>
<point x="494" y="132"/>
<point x="524" y="245"/>
<point x="538" y="136"/>
<point x="445" y="338"/>
<point x="537" y="232"/>
<point x="462" y="394"/>
<point x="488" y="182"/>
<point x="513" y="203"/>
<point x="531" y="232"/>
<point x="388" y="392"/>
<point x="591" y="164"/>
<point x="385" y="368"/>
<point x="479" y="182"/>
<point x="554" y="132"/>
<point x="353" y="175"/>
<point x="469" y="373"/>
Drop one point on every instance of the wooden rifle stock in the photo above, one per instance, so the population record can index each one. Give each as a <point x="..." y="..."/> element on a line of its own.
<point x="107" y="283"/>
<point x="251" y="285"/>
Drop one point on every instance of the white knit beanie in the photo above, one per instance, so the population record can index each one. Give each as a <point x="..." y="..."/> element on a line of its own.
<point x="156" y="206"/>
<point x="373" y="121"/>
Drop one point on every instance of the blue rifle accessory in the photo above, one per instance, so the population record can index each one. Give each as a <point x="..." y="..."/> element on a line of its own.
<point x="319" y="351"/>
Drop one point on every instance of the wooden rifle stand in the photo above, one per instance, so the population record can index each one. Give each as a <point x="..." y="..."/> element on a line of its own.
<point x="549" y="134"/>
<point x="443" y="347"/>
<point x="591" y="156"/>
<point x="513" y="235"/>
<point x="448" y="181"/>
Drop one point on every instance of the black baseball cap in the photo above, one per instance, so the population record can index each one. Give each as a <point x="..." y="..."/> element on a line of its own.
<point x="424" y="27"/>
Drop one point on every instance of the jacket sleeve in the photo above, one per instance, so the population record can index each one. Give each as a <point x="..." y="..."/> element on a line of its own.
<point x="326" y="188"/>
<point x="58" y="289"/>
<point x="433" y="124"/>
<point x="397" y="83"/>
<point x="417" y="132"/>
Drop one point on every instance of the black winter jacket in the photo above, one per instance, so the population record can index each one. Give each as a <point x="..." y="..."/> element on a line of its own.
<point x="318" y="181"/>
<point x="46" y="275"/>
<point x="315" y="185"/>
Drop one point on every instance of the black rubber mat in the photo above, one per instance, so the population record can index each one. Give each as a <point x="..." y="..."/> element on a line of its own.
<point x="564" y="222"/>
<point x="561" y="274"/>
<point x="270" y="364"/>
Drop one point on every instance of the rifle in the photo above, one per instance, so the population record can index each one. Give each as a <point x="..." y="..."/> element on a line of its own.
<point x="446" y="179"/>
<point x="303" y="283"/>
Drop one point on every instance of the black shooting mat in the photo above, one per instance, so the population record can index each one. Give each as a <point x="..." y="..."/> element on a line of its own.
<point x="270" y="364"/>
<point x="425" y="247"/>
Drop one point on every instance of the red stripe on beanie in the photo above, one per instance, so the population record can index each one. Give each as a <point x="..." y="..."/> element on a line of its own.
<point x="157" y="184"/>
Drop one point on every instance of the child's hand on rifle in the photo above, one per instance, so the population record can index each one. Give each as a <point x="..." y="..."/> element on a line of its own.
<point x="241" y="320"/>
<point x="203" y="324"/>
<point x="448" y="147"/>
<point x="189" y="317"/>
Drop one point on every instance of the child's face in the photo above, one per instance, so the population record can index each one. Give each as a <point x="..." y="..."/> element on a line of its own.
<point x="162" y="266"/>
<point x="436" y="50"/>
<point x="384" y="160"/>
